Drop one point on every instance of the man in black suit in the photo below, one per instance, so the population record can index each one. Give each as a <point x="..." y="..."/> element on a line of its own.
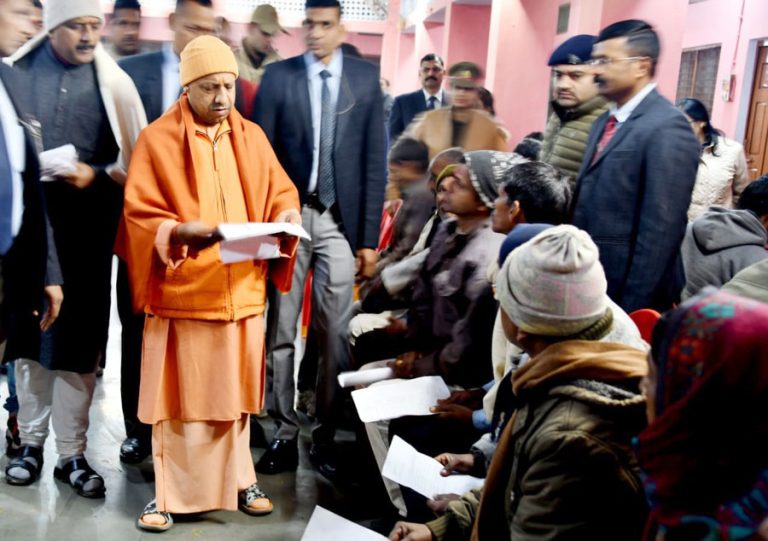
<point x="430" y="96"/>
<point x="323" y="114"/>
<point x="639" y="168"/>
<point x="28" y="265"/>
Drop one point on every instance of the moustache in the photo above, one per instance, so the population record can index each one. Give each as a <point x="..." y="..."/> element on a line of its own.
<point x="85" y="48"/>
<point x="430" y="78"/>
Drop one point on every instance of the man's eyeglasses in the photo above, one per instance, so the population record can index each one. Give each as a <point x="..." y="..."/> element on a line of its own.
<point x="604" y="61"/>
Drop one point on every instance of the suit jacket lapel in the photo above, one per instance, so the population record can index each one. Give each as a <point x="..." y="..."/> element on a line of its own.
<point x="153" y="79"/>
<point x="344" y="104"/>
<point x="594" y="137"/>
<point x="624" y="128"/>
<point x="622" y="131"/>
<point x="301" y="84"/>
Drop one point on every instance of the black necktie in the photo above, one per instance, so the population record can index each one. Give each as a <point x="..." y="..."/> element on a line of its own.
<point x="6" y="195"/>
<point x="431" y="103"/>
<point x="326" y="189"/>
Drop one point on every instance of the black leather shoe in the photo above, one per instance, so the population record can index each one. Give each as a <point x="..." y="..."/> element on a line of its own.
<point x="258" y="438"/>
<point x="281" y="456"/>
<point x="133" y="451"/>
<point x="322" y="457"/>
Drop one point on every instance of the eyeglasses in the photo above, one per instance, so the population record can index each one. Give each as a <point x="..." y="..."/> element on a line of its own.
<point x="604" y="61"/>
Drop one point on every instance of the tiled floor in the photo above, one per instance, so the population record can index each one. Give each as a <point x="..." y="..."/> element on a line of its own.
<point x="50" y="510"/>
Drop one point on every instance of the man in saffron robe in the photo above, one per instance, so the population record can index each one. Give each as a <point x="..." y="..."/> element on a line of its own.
<point x="199" y="165"/>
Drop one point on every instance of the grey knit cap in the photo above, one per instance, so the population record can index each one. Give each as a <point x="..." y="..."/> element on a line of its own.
<point x="488" y="169"/>
<point x="553" y="285"/>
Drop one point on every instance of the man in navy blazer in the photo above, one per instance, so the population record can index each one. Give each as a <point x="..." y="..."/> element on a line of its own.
<point x="156" y="74"/>
<point x="323" y="113"/>
<point x="29" y="268"/>
<point x="431" y="96"/>
<point x="639" y="168"/>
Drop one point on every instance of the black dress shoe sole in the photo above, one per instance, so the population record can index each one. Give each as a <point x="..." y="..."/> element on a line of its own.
<point x="133" y="460"/>
<point x="270" y="469"/>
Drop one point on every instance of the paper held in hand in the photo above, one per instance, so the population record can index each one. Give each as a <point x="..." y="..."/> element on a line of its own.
<point x="57" y="162"/>
<point x="408" y="467"/>
<point x="365" y="377"/>
<point x="326" y="526"/>
<point x="395" y="398"/>
<point x="244" y="242"/>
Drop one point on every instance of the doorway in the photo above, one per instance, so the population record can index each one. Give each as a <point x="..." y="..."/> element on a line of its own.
<point x="756" y="137"/>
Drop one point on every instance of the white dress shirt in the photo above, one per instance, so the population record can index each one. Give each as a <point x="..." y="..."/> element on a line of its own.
<point x="14" y="142"/>
<point x="438" y="96"/>
<point x="171" y="77"/>
<point x="625" y="111"/>
<point x="315" y="82"/>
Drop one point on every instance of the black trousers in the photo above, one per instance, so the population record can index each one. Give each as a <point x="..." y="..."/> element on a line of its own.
<point x="130" y="365"/>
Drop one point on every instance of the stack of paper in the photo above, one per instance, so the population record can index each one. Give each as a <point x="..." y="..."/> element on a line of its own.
<point x="399" y="397"/>
<point x="244" y="242"/>
<point x="57" y="162"/>
<point x="408" y="467"/>
<point x="326" y="526"/>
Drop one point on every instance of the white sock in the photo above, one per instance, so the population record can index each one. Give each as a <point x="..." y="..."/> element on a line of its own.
<point x="18" y="472"/>
<point x="89" y="486"/>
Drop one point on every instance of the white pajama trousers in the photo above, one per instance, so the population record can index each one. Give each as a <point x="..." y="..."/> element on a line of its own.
<point x="53" y="397"/>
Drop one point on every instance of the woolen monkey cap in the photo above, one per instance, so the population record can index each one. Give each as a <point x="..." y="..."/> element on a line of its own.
<point x="554" y="285"/>
<point x="203" y="56"/>
<point x="57" y="12"/>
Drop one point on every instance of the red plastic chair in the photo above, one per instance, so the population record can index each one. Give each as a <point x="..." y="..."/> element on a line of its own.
<point x="645" y="319"/>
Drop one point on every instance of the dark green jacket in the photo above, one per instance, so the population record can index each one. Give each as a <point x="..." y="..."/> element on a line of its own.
<point x="565" y="137"/>
<point x="574" y="475"/>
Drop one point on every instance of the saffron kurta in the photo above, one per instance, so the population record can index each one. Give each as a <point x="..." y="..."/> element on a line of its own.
<point x="203" y="351"/>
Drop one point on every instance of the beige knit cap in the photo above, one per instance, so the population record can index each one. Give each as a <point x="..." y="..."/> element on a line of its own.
<point x="206" y="55"/>
<point x="554" y="285"/>
<point x="57" y="12"/>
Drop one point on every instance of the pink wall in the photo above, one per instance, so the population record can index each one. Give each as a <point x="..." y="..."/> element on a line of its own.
<point x="467" y="34"/>
<point x="729" y="116"/>
<point x="521" y="38"/>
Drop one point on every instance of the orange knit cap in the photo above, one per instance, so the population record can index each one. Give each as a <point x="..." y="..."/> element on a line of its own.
<point x="206" y="55"/>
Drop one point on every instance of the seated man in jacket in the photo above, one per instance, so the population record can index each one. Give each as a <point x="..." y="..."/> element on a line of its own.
<point x="451" y="317"/>
<point x="721" y="242"/>
<point x="393" y="286"/>
<point x="565" y="467"/>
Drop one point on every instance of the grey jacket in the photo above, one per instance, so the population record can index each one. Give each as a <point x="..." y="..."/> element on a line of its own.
<point x="752" y="282"/>
<point x="718" y="245"/>
<point x="453" y="309"/>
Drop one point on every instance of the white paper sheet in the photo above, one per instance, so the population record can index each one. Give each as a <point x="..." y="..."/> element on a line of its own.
<point x="395" y="398"/>
<point x="406" y="466"/>
<point x="57" y="161"/>
<point x="326" y="526"/>
<point x="261" y="229"/>
<point x="244" y="242"/>
<point x="365" y="377"/>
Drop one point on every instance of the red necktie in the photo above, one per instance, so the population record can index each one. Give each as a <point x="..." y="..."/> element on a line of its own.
<point x="608" y="133"/>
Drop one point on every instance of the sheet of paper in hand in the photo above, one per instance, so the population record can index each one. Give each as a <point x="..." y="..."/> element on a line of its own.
<point x="57" y="162"/>
<point x="326" y="526"/>
<point x="408" y="467"/>
<point x="393" y="398"/>
<point x="243" y="242"/>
